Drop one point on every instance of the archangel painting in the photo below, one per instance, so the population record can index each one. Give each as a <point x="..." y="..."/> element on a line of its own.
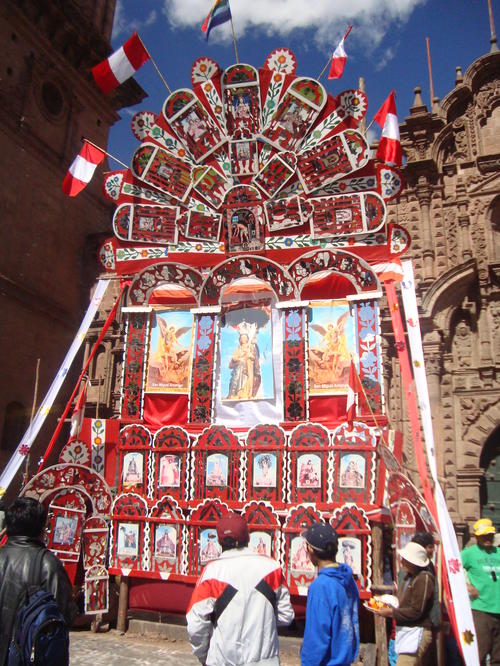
<point x="331" y="345"/>
<point x="246" y="355"/>
<point x="170" y="352"/>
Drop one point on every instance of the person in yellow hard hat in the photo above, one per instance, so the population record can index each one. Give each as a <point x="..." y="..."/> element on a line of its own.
<point x="482" y="565"/>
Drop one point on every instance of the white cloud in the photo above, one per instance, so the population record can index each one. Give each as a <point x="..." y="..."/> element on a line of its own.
<point x="327" y="19"/>
<point x="124" y="25"/>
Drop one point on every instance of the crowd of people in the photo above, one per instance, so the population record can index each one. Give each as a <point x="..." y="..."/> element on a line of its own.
<point x="241" y="597"/>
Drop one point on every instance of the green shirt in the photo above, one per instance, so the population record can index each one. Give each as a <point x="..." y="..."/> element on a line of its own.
<point x="479" y="563"/>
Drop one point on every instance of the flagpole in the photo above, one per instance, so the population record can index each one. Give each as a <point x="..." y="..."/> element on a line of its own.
<point x="234" y="38"/>
<point x="106" y="153"/>
<point x="156" y="67"/>
<point x="429" y="65"/>
<point x="33" y="407"/>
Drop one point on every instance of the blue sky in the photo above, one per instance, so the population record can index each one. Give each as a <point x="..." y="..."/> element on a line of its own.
<point x="386" y="46"/>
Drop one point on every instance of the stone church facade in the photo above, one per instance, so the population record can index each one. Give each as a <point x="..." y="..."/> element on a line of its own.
<point x="451" y="207"/>
<point x="48" y="254"/>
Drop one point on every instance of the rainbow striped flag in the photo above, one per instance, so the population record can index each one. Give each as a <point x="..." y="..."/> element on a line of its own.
<point x="219" y="14"/>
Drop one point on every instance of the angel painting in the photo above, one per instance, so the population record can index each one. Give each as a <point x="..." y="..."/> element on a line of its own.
<point x="330" y="349"/>
<point x="170" y="356"/>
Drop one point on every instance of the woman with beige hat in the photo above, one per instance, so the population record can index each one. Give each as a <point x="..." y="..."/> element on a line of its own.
<point x="415" y="597"/>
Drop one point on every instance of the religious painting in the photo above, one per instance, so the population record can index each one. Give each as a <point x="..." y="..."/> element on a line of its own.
<point x="216" y="470"/>
<point x="133" y="473"/>
<point x="244" y="228"/>
<point x="128" y="540"/>
<point x="209" y="546"/>
<point x="241" y="99"/>
<point x="165" y="541"/>
<point x="264" y="470"/>
<point x="244" y="156"/>
<point x="349" y="552"/>
<point x="352" y="471"/>
<point x="246" y="355"/>
<point x="331" y="346"/>
<point x="169" y="471"/>
<point x="260" y="543"/>
<point x="299" y="559"/>
<point x="308" y="471"/>
<point x="170" y="352"/>
<point x="65" y="530"/>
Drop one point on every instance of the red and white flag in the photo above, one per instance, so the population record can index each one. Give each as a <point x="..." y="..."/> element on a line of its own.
<point x="339" y="58"/>
<point x="121" y="65"/>
<point x="79" y="412"/>
<point x="354" y="387"/>
<point x="82" y="169"/>
<point x="389" y="147"/>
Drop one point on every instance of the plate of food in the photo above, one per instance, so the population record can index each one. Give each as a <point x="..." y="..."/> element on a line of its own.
<point x="383" y="601"/>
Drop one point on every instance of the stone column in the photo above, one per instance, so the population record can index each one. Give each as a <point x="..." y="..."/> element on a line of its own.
<point x="463" y="219"/>
<point x="433" y="355"/>
<point x="423" y="191"/>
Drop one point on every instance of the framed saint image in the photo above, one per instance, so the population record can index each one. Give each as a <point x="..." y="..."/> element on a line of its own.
<point x="165" y="541"/>
<point x="133" y="468"/>
<point x="260" y="543"/>
<point x="331" y="346"/>
<point x="349" y="552"/>
<point x="216" y="471"/>
<point x="308" y="471"/>
<point x="65" y="530"/>
<point x="299" y="559"/>
<point x="128" y="540"/>
<point x="264" y="470"/>
<point x="352" y="471"/>
<point x="209" y="546"/>
<point x="170" y="352"/>
<point x="246" y="358"/>
<point x="169" y="471"/>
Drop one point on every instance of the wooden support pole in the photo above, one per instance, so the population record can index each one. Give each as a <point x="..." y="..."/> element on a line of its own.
<point x="378" y="579"/>
<point x="121" y="620"/>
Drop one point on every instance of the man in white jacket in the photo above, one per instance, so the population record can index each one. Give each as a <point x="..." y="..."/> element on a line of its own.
<point x="238" y="602"/>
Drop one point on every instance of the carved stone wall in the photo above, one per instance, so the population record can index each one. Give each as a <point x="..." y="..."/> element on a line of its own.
<point x="453" y="178"/>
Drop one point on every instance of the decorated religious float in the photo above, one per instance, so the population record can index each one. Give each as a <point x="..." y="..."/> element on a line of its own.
<point x="250" y="241"/>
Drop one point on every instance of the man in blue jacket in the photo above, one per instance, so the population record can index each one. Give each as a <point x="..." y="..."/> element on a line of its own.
<point x="331" y="636"/>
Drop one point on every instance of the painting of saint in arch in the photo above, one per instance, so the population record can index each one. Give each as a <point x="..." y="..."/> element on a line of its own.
<point x="246" y="355"/>
<point x="170" y="352"/>
<point x="217" y="470"/>
<point x="331" y="345"/>
<point x="352" y="471"/>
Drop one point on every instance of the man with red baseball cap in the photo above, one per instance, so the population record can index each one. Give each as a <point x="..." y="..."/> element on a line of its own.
<point x="238" y="602"/>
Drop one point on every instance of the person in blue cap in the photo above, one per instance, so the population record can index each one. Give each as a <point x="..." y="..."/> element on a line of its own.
<point x="331" y="636"/>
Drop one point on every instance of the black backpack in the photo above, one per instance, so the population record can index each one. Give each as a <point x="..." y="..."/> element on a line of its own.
<point x="41" y="635"/>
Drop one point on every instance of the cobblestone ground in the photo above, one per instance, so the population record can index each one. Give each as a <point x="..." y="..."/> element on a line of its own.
<point x="110" y="649"/>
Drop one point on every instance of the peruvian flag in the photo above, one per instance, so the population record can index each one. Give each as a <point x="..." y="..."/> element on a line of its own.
<point x="82" y="169"/>
<point x="121" y="64"/>
<point x="354" y="387"/>
<point x="389" y="147"/>
<point x="339" y="58"/>
<point x="78" y="412"/>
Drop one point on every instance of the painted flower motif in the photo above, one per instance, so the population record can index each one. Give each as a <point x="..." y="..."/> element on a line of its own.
<point x="276" y="78"/>
<point x="468" y="637"/>
<point x="288" y="242"/>
<point x="207" y="87"/>
<point x="203" y="69"/>
<point x="97" y="441"/>
<point x="218" y="109"/>
<point x="144" y="253"/>
<point x="454" y="565"/>
<point x="270" y="104"/>
<point x="23" y="450"/>
<point x="98" y="423"/>
<point x="181" y="152"/>
<point x="282" y="60"/>
<point x="141" y="124"/>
